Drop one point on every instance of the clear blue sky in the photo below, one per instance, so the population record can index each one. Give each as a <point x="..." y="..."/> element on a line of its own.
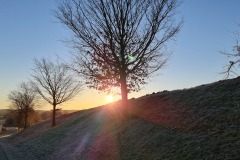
<point x="28" y="29"/>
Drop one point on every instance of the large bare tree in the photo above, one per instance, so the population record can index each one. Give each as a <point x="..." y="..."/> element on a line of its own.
<point x="119" y="43"/>
<point x="54" y="83"/>
<point x="23" y="102"/>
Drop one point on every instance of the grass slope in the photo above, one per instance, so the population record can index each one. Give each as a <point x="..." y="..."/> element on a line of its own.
<point x="197" y="123"/>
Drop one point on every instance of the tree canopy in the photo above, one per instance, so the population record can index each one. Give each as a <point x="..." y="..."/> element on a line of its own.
<point x="119" y="43"/>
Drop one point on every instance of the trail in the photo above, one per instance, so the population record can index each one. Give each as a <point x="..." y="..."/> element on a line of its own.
<point x="2" y="154"/>
<point x="7" y="133"/>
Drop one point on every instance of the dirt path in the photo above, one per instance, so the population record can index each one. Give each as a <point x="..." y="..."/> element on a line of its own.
<point x="9" y="131"/>
<point x="2" y="154"/>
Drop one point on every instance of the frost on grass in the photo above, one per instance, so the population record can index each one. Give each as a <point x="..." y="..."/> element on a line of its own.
<point x="196" y="123"/>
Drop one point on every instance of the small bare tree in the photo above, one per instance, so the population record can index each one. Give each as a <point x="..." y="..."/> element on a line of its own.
<point x="235" y="62"/>
<point x="54" y="83"/>
<point x="23" y="102"/>
<point x="119" y="43"/>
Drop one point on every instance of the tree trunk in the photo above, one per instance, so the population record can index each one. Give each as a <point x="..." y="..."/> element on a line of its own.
<point x="19" y="120"/>
<point x="53" y="115"/>
<point x="124" y="93"/>
<point x="25" y="118"/>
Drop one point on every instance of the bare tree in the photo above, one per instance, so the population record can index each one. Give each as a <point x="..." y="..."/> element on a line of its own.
<point x="23" y="102"/>
<point x="120" y="43"/>
<point x="235" y="61"/>
<point x="54" y="83"/>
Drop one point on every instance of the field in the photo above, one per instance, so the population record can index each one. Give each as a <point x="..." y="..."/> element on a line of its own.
<point x="3" y="112"/>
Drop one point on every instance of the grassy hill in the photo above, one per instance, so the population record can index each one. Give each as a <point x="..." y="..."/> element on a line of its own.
<point x="196" y="123"/>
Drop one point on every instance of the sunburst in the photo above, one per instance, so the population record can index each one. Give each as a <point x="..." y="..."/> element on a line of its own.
<point x="110" y="98"/>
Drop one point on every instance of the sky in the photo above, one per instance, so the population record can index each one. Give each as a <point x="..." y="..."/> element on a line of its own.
<point x="29" y="30"/>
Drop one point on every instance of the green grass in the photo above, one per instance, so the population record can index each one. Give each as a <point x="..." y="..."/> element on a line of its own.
<point x="196" y="123"/>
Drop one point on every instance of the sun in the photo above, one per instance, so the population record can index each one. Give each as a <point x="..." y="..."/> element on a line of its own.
<point x="109" y="98"/>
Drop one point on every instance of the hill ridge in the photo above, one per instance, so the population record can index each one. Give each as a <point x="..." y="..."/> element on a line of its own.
<point x="196" y="123"/>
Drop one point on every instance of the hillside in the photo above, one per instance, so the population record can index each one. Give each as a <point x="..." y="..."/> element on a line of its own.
<point x="197" y="123"/>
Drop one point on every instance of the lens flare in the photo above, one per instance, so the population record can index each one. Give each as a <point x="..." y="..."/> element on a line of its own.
<point x="109" y="98"/>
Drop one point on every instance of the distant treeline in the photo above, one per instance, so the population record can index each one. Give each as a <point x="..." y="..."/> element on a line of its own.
<point x="35" y="116"/>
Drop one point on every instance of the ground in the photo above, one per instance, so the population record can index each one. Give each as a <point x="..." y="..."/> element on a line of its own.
<point x="6" y="133"/>
<point x="196" y="123"/>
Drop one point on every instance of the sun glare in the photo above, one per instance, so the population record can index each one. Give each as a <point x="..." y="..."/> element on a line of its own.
<point x="109" y="98"/>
